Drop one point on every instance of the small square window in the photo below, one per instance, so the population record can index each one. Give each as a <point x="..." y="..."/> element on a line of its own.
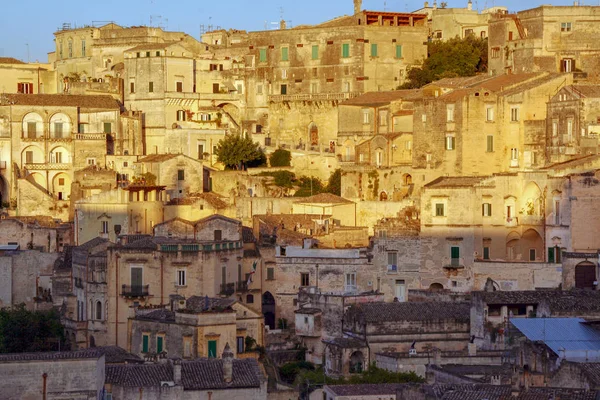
<point x="439" y="210"/>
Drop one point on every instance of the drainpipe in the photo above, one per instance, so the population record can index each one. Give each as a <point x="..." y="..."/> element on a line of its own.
<point x="162" y="274"/>
<point x="117" y="257"/>
<point x="44" y="384"/>
<point x="317" y="267"/>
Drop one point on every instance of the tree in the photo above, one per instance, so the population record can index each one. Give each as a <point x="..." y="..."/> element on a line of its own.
<point x="280" y="158"/>
<point x="22" y="330"/>
<point x="237" y="152"/>
<point x="452" y="58"/>
<point x="309" y="186"/>
<point x="334" y="185"/>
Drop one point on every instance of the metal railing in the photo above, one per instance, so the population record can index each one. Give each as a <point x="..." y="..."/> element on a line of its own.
<point x="135" y="290"/>
<point x="242" y="286"/>
<point x="227" y="289"/>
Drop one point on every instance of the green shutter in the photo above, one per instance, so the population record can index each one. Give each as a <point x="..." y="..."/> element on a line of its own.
<point x="284" y="54"/>
<point x="159" y="344"/>
<point x="455" y="252"/>
<point x="345" y="50"/>
<point x="373" y="49"/>
<point x="145" y="340"/>
<point x="486" y="253"/>
<point x="490" y="143"/>
<point x="263" y="55"/>
<point x="398" y="51"/>
<point x="212" y="349"/>
<point x="315" y="52"/>
<point x="551" y="254"/>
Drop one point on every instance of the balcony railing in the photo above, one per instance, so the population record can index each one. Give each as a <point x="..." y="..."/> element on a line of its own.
<point x="90" y="136"/>
<point x="135" y="290"/>
<point x="350" y="289"/>
<point x="313" y="96"/>
<point x="242" y="286"/>
<point x="47" y="166"/>
<point x="227" y="289"/>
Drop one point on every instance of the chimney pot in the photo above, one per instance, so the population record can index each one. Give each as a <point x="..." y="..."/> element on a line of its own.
<point x="227" y="364"/>
<point x="177" y="371"/>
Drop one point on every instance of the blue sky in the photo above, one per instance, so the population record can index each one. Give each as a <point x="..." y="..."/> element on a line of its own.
<point x="33" y="22"/>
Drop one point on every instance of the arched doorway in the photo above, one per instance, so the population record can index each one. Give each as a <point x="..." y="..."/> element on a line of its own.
<point x="532" y="199"/>
<point x="357" y="362"/>
<point x="436" y="287"/>
<point x="268" y="307"/>
<point x="383" y="196"/>
<point x="407" y="179"/>
<point x="585" y="275"/>
<point x="532" y="245"/>
<point x="313" y="134"/>
<point x="92" y="341"/>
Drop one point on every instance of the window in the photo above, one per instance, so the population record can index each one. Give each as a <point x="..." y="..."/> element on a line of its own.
<point x="514" y="154"/>
<point x="314" y="87"/>
<point x="249" y="298"/>
<point x="486" y="209"/>
<point x="61" y="181"/>
<point x="131" y="87"/>
<point x="398" y="51"/>
<point x="218" y="235"/>
<point x="160" y="344"/>
<point x="351" y="280"/>
<point x="554" y="128"/>
<point x="567" y="65"/>
<point x="490" y="143"/>
<point x="439" y="210"/>
<point x="70" y="44"/>
<point x="107" y="127"/>
<point x="285" y="54"/>
<point x="99" y="310"/>
<point x="315" y="52"/>
<point x="383" y="118"/>
<point x="346" y="87"/>
<point x="29" y="157"/>
<point x="91" y="161"/>
<point x="373" y="49"/>
<point x="495" y="52"/>
<point x="450" y="142"/>
<point x="104" y="226"/>
<point x="304" y="279"/>
<point x="486" y="253"/>
<point x="145" y="342"/>
<point x="187" y="347"/>
<point x="180" y="174"/>
<point x="259" y="89"/>
<point x="366" y="117"/>
<point x="531" y="254"/>
<point x="556" y="212"/>
<point x="283" y="89"/>
<point x="554" y="255"/>
<point x="181" y="278"/>
<point x="569" y="130"/>
<point x="566" y="27"/>
<point x="150" y="87"/>
<point x="489" y="114"/>
<point x="240" y="344"/>
<point x="83" y="48"/>
<point x="180" y="115"/>
<point x="514" y="114"/>
<point x="284" y="74"/>
<point x="450" y="113"/>
<point x="392" y="261"/>
<point x="58" y="129"/>
<point x="179" y="86"/>
<point x="455" y="255"/>
<point x="262" y="55"/>
<point x="212" y="349"/>
<point x="31" y="130"/>
<point x="205" y="117"/>
<point x="345" y="50"/>
<point x="25" y="87"/>
<point x="270" y="274"/>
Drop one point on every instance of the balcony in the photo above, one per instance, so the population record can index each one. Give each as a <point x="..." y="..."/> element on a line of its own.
<point x="135" y="290"/>
<point x="313" y="96"/>
<point x="90" y="136"/>
<point x="242" y="286"/>
<point x="227" y="289"/>
<point x="47" y="166"/>
<point x="350" y="289"/>
<point x="511" y="222"/>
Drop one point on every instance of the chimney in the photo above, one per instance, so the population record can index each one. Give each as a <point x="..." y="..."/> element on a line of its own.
<point x="282" y="25"/>
<point x="426" y="5"/>
<point x="470" y="5"/>
<point x="177" y="371"/>
<point x="227" y="364"/>
<point x="357" y="6"/>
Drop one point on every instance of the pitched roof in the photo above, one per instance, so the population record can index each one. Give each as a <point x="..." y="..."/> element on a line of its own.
<point x="218" y="216"/>
<point x="151" y="46"/>
<point x="564" y="302"/>
<point x="371" y="389"/>
<point x="345" y="343"/>
<point x="207" y="374"/>
<point x="592" y="91"/>
<point x="63" y="100"/>
<point x="425" y="311"/>
<point x="200" y="374"/>
<point x="324" y="198"/>
<point x="157" y="158"/>
<point x="90" y="244"/>
<point x="160" y="315"/>
<point x="376" y="99"/>
<point x="591" y="371"/>
<point x="49" y="356"/>
<point x="455" y="181"/>
<point x="248" y="235"/>
<point x="116" y="355"/>
<point x="214" y="199"/>
<point x="568" y="335"/>
<point x="10" y="60"/>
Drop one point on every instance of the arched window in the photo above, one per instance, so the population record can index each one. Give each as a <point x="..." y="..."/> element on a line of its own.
<point x="250" y="299"/>
<point x="98" y="310"/>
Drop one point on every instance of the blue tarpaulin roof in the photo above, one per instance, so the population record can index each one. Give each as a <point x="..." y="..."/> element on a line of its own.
<point x="569" y="338"/>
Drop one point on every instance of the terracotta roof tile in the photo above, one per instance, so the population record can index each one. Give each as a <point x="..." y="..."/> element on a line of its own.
<point x="324" y="198"/>
<point x="372" y="389"/>
<point x="455" y="181"/>
<point x="375" y="99"/>
<point x="63" y="100"/>
<point x="49" y="356"/>
<point x="10" y="60"/>
<point x="381" y="312"/>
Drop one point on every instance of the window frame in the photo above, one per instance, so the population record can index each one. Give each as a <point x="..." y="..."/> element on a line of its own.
<point x="304" y="279"/>
<point x="345" y="50"/>
<point x="181" y="277"/>
<point x="440" y="210"/>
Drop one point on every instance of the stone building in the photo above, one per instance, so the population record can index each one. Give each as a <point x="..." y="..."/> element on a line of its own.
<point x="449" y="22"/>
<point x="52" y="375"/>
<point x="27" y="78"/>
<point x="185" y="258"/>
<point x="299" y="75"/>
<point x="573" y="123"/>
<point x="42" y="233"/>
<point x="194" y="328"/>
<point x="547" y="38"/>
<point x="217" y="379"/>
<point x="395" y="327"/>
